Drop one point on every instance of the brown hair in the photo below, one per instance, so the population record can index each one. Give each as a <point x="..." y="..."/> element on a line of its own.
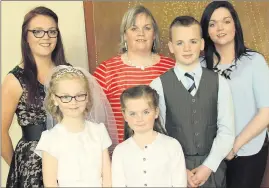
<point x="30" y="69"/>
<point x="139" y="92"/>
<point x="184" y="21"/>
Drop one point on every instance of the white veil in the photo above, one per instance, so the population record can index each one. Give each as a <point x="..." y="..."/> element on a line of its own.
<point x="101" y="111"/>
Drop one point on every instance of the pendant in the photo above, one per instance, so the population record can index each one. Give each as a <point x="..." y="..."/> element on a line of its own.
<point x="140" y="67"/>
<point x="137" y="66"/>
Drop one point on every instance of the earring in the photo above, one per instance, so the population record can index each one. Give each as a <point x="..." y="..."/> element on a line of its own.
<point x="153" y="47"/>
<point x="126" y="47"/>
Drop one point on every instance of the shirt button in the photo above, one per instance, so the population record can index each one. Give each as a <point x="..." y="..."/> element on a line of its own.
<point x="196" y="134"/>
<point x="145" y="171"/>
<point x="194" y="111"/>
<point x="144" y="159"/>
<point x="193" y="100"/>
<point x="198" y="146"/>
<point x="145" y="185"/>
<point x="195" y="122"/>
<point x="146" y="147"/>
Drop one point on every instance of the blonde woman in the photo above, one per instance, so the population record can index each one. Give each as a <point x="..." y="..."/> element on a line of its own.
<point x="138" y="61"/>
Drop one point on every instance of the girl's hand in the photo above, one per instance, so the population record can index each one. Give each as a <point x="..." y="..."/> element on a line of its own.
<point x="189" y="177"/>
<point x="201" y="174"/>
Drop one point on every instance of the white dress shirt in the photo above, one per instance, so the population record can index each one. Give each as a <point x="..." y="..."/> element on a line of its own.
<point x="159" y="164"/>
<point x="224" y="139"/>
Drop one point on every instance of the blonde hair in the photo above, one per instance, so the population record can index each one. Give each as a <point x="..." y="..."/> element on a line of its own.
<point x="58" y="76"/>
<point x="128" y="21"/>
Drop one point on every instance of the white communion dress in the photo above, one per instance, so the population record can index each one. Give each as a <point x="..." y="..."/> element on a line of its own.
<point x="79" y="155"/>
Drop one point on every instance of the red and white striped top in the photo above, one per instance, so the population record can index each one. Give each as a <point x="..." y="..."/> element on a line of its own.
<point x="114" y="77"/>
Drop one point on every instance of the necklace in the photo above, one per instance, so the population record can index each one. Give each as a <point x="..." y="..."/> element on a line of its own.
<point x="226" y="73"/>
<point x="142" y="67"/>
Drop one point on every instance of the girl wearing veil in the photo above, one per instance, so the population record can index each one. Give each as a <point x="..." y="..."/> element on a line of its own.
<point x="75" y="151"/>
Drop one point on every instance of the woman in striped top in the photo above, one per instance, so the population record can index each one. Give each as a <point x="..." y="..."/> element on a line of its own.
<point x="138" y="62"/>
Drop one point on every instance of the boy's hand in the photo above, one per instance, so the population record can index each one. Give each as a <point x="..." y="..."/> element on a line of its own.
<point x="189" y="177"/>
<point x="201" y="174"/>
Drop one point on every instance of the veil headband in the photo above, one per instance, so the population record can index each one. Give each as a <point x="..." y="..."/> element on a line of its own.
<point x="101" y="111"/>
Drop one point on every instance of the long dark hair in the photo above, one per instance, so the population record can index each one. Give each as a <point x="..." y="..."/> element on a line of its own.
<point x="138" y="92"/>
<point x="30" y="68"/>
<point x="209" y="51"/>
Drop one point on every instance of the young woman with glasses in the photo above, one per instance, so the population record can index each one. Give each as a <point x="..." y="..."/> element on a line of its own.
<point x="23" y="94"/>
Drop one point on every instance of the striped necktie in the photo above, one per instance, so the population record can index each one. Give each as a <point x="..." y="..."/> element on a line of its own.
<point x="192" y="85"/>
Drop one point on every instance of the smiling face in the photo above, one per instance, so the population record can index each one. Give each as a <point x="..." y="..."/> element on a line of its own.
<point x="186" y="44"/>
<point x="140" y="36"/>
<point x="41" y="47"/>
<point x="140" y="115"/>
<point x="221" y="27"/>
<point x="75" y="88"/>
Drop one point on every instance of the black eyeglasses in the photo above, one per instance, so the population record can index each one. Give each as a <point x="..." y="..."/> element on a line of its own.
<point x="39" y="33"/>
<point x="67" y="99"/>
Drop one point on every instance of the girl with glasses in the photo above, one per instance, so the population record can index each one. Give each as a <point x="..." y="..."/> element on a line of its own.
<point x="23" y="94"/>
<point x="75" y="151"/>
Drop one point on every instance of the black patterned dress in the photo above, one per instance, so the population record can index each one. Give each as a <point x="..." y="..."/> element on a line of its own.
<point x="25" y="169"/>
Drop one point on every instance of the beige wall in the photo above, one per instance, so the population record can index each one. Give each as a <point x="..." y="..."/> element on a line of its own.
<point x="72" y="26"/>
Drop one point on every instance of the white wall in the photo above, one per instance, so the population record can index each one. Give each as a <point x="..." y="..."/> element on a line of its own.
<point x="72" y="26"/>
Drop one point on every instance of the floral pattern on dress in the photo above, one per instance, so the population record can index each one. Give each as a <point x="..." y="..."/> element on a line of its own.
<point x="26" y="166"/>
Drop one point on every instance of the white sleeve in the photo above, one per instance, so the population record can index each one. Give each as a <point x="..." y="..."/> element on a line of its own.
<point x="225" y="137"/>
<point x="179" y="174"/>
<point x="157" y="85"/>
<point x="47" y="143"/>
<point x="118" y="177"/>
<point x="105" y="139"/>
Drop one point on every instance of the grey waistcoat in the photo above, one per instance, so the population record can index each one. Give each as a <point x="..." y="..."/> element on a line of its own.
<point x="192" y="120"/>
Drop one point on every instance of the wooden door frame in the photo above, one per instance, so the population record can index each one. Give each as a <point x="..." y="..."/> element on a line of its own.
<point x="90" y="34"/>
